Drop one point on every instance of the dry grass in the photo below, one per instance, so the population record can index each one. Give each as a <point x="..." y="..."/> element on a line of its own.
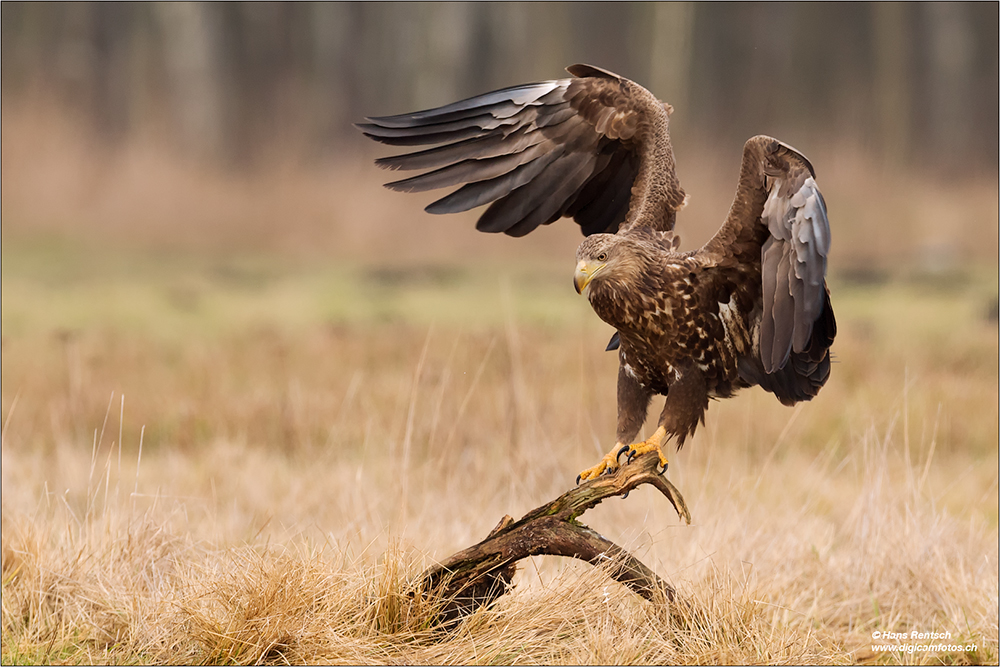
<point x="218" y="458"/>
<point x="295" y="478"/>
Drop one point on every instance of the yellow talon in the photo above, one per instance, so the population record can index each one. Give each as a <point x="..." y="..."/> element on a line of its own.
<point x="609" y="463"/>
<point x="652" y="444"/>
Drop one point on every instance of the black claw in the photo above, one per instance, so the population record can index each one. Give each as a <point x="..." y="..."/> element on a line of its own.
<point x="661" y="472"/>
<point x="621" y="451"/>
<point x="631" y="455"/>
<point x="578" y="478"/>
<point x="625" y="495"/>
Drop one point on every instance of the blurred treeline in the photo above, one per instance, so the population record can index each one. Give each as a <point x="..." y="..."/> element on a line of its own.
<point x="233" y="82"/>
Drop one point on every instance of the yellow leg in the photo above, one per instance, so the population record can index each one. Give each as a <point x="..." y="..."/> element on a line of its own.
<point x="652" y="444"/>
<point x="608" y="464"/>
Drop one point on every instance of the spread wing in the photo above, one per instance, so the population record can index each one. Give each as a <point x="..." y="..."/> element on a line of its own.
<point x="591" y="148"/>
<point x="778" y="222"/>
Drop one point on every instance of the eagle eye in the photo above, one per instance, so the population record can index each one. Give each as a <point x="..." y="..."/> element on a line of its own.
<point x="603" y="257"/>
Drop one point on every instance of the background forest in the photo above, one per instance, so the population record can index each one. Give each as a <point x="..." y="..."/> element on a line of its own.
<point x="914" y="82"/>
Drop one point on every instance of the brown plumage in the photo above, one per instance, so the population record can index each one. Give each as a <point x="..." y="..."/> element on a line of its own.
<point x="749" y="308"/>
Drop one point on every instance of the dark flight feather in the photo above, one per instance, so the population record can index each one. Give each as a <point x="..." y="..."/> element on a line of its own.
<point x="573" y="142"/>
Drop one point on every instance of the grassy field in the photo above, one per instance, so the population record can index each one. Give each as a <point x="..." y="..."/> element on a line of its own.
<point x="250" y="459"/>
<point x="242" y="415"/>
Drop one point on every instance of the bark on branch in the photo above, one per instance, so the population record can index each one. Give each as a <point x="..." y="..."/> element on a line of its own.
<point x="477" y="576"/>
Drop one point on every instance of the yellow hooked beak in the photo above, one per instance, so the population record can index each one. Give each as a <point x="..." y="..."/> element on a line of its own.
<point x="584" y="274"/>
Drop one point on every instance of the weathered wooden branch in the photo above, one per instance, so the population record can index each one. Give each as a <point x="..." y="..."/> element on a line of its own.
<point x="477" y="576"/>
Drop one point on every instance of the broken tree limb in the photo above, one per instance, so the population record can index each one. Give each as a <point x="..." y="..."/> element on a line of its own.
<point x="477" y="576"/>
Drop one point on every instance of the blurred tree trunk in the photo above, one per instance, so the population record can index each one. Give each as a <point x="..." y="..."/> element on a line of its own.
<point x="440" y="58"/>
<point x="328" y="101"/>
<point x="193" y="76"/>
<point x="892" y="79"/>
<point x="671" y="51"/>
<point x="948" y="81"/>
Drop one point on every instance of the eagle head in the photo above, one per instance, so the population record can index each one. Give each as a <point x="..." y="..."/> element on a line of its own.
<point x="603" y="257"/>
